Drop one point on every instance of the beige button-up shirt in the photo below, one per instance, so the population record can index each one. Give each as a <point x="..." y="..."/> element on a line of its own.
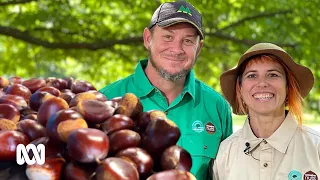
<point x="289" y="153"/>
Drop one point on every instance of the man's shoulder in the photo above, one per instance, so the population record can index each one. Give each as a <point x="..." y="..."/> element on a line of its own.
<point x="209" y="92"/>
<point x="114" y="89"/>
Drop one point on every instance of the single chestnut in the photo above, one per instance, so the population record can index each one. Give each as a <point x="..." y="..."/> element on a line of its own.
<point x="175" y="157"/>
<point x="37" y="98"/>
<point x="50" y="170"/>
<point x="58" y="83"/>
<point x="79" y="86"/>
<point x="159" y="135"/>
<point x="94" y="111"/>
<point x="49" y="107"/>
<point x="76" y="171"/>
<point x="123" y="139"/>
<point x="19" y="90"/>
<point x="34" y="84"/>
<point x="52" y="90"/>
<point x="117" y="122"/>
<point x="32" y="129"/>
<point x="143" y="120"/>
<point x="10" y="112"/>
<point x="92" y="94"/>
<point x="67" y="95"/>
<point x="61" y="124"/>
<point x="87" y="145"/>
<point x="9" y="141"/>
<point x="17" y="101"/>
<point x="15" y="80"/>
<point x="141" y="159"/>
<point x="116" y="169"/>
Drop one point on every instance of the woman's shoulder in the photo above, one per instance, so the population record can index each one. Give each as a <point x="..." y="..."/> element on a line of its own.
<point x="310" y="133"/>
<point x="232" y="140"/>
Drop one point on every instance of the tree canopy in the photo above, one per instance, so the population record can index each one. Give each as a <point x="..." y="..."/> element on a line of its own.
<point x="101" y="41"/>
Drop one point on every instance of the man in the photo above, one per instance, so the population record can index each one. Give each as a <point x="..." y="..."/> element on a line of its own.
<point x="165" y="81"/>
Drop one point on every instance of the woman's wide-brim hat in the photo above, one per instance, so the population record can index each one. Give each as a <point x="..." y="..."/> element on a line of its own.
<point x="302" y="74"/>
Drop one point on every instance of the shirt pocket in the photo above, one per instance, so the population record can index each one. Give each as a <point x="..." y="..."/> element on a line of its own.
<point x="201" y="144"/>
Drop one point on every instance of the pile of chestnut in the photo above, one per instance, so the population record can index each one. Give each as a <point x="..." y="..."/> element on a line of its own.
<point x="87" y="136"/>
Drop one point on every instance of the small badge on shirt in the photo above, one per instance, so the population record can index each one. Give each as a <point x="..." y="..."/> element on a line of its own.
<point x="294" y="175"/>
<point x="310" y="176"/>
<point x="210" y="128"/>
<point x="197" y="126"/>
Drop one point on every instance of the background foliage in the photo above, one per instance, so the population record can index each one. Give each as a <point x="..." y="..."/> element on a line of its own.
<point x="101" y="41"/>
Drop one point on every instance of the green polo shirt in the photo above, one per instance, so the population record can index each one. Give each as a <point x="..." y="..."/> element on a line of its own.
<point x="202" y="115"/>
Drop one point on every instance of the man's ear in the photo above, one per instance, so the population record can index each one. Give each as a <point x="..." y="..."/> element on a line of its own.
<point x="199" y="48"/>
<point x="147" y="38"/>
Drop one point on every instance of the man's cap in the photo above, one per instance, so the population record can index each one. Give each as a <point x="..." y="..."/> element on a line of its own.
<point x="170" y="13"/>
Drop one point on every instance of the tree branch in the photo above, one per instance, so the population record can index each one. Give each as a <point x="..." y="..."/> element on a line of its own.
<point x="245" y="41"/>
<point x="25" y="36"/>
<point x="15" y="2"/>
<point x="262" y="15"/>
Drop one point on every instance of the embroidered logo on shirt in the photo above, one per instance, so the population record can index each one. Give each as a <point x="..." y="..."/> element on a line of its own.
<point x="294" y="175"/>
<point x="310" y="176"/>
<point x="197" y="126"/>
<point x="210" y="128"/>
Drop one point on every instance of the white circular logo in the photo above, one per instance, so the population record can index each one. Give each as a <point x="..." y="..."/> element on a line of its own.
<point x="197" y="126"/>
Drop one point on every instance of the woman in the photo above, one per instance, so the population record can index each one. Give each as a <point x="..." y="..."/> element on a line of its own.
<point x="268" y="87"/>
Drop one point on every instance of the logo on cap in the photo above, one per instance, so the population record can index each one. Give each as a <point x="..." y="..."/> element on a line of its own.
<point x="210" y="128"/>
<point x="310" y="176"/>
<point x="184" y="10"/>
<point x="197" y="126"/>
<point x="294" y="175"/>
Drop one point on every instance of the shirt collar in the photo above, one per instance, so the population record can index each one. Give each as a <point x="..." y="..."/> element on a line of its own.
<point x="144" y="86"/>
<point x="141" y="82"/>
<point x="280" y="139"/>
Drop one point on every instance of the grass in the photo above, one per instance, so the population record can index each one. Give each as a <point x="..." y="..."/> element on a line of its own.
<point x="310" y="119"/>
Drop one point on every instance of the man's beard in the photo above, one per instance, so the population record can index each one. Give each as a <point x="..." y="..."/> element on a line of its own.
<point x="173" y="77"/>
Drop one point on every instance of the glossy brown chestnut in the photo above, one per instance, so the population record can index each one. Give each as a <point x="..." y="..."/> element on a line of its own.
<point x="94" y="111"/>
<point x="52" y="90"/>
<point x="37" y="98"/>
<point x="34" y="84"/>
<point x="116" y="169"/>
<point x="117" y="122"/>
<point x="79" y="86"/>
<point x="123" y="139"/>
<point x="93" y="94"/>
<point x="63" y="122"/>
<point x="10" y="112"/>
<point x="52" y="148"/>
<point x="67" y="96"/>
<point x="29" y="116"/>
<point x="142" y="160"/>
<point x="76" y="171"/>
<point x="69" y="80"/>
<point x="19" y="90"/>
<point x="58" y="83"/>
<point x="15" y="80"/>
<point x="175" y="157"/>
<point x="32" y="129"/>
<point x="49" y="107"/>
<point x="87" y="145"/>
<point x="172" y="174"/>
<point x="50" y="170"/>
<point x="9" y="141"/>
<point x="159" y="135"/>
<point x="16" y="101"/>
<point x="143" y="120"/>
